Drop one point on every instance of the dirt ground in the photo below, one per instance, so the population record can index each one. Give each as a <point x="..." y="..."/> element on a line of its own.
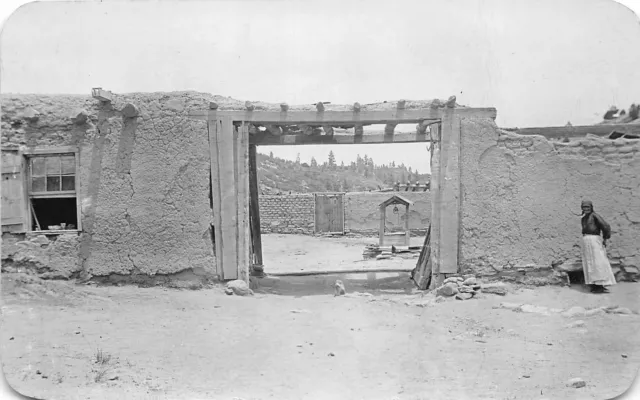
<point x="300" y="253"/>
<point x="294" y="340"/>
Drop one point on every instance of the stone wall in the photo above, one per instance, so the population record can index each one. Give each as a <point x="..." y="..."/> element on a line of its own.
<point x="143" y="181"/>
<point x="521" y="197"/>
<point x="293" y="213"/>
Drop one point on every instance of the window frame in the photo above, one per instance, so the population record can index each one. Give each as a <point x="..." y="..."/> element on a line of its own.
<point x="44" y="152"/>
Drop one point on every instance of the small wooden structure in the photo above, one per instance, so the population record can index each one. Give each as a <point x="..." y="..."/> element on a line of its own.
<point x="401" y="238"/>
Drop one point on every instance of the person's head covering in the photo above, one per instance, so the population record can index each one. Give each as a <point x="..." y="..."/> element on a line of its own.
<point x="587" y="203"/>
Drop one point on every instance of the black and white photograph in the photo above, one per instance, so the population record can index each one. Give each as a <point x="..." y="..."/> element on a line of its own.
<point x="309" y="200"/>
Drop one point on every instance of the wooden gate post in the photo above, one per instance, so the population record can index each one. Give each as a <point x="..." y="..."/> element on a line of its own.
<point x="256" y="235"/>
<point x="229" y="149"/>
<point x="446" y="197"/>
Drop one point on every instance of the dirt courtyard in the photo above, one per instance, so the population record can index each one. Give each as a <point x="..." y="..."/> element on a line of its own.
<point x="301" y="253"/>
<point x="294" y="340"/>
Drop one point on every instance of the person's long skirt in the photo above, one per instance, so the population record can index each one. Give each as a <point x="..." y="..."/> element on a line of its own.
<point x="595" y="264"/>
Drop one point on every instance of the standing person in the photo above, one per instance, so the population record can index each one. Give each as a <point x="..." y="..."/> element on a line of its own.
<point x="595" y="264"/>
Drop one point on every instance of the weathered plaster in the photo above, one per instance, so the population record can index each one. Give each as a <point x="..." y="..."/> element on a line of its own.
<point x="522" y="194"/>
<point x="143" y="181"/>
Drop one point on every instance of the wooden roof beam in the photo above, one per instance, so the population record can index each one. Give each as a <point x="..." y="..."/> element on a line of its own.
<point x="395" y="116"/>
<point x="338" y="138"/>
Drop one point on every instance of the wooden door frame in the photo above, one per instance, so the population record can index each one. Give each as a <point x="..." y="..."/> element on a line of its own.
<point x="232" y="244"/>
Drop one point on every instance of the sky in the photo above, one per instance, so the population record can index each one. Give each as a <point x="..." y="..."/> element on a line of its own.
<point x="540" y="63"/>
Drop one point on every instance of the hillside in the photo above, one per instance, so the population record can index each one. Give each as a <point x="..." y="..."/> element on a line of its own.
<point x="277" y="175"/>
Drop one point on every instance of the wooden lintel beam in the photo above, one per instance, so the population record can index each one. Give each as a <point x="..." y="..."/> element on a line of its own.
<point x="339" y="138"/>
<point x="394" y="116"/>
<point x="560" y="132"/>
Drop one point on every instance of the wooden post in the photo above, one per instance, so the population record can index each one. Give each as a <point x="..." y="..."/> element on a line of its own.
<point x="241" y="143"/>
<point x="383" y="218"/>
<point x="225" y="166"/>
<point x="406" y="226"/>
<point x="435" y="206"/>
<point x="256" y="235"/>
<point x="216" y="192"/>
<point x="450" y="192"/>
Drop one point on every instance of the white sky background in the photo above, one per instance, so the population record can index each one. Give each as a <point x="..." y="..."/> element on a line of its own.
<point x="540" y="63"/>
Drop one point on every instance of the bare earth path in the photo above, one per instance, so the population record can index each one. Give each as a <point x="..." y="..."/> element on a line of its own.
<point x="283" y="343"/>
<point x="298" y="253"/>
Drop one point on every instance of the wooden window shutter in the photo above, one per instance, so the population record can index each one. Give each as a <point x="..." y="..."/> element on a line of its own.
<point x="13" y="191"/>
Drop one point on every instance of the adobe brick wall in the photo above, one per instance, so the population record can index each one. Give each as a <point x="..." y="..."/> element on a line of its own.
<point x="292" y="213"/>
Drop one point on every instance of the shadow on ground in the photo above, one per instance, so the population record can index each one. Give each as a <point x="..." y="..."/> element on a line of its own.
<point x="313" y="285"/>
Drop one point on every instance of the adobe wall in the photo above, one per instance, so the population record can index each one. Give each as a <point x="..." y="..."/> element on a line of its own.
<point x="291" y="213"/>
<point x="294" y="213"/>
<point x="521" y="197"/>
<point x="362" y="212"/>
<point x="143" y="182"/>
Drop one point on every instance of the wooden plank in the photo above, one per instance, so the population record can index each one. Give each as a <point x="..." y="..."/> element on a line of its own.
<point x="397" y="116"/>
<point x="383" y="218"/>
<point x="434" y="255"/>
<point x="229" y="204"/>
<point x="401" y="270"/>
<point x="50" y="150"/>
<point x="255" y="205"/>
<point x="216" y="195"/>
<point x="560" y="132"/>
<point x="450" y="193"/>
<point x="421" y="274"/>
<point x="13" y="192"/>
<point x="78" y="192"/>
<point x="241" y="144"/>
<point x="339" y="138"/>
<point x="406" y="226"/>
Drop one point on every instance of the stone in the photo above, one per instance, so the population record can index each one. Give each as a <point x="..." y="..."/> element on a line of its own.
<point x="467" y="276"/>
<point x="40" y="240"/>
<point x="571" y="265"/>
<point x="510" y="306"/>
<point x="575" y="324"/>
<point x="465" y="289"/>
<point x="175" y="105"/>
<point x="130" y="110"/>
<point x="498" y="288"/>
<point x="621" y="310"/>
<point x="79" y="117"/>
<point x="449" y="289"/>
<point x="30" y="114"/>
<point x="470" y="281"/>
<point x="440" y="299"/>
<point x="576" y="383"/>
<point x="533" y="309"/>
<point x="239" y="288"/>
<point x="574" y="312"/>
<point x="450" y="280"/>
<point x="383" y="257"/>
<point x="595" y="311"/>
<point x="464" y="296"/>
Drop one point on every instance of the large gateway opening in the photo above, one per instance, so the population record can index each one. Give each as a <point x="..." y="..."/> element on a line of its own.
<point x="332" y="208"/>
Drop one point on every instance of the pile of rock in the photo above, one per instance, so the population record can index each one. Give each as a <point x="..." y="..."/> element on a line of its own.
<point x="467" y="286"/>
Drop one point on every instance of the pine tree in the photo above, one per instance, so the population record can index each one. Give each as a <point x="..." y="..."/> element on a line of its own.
<point x="332" y="160"/>
<point x="271" y="154"/>
<point x="314" y="163"/>
<point x="298" y="159"/>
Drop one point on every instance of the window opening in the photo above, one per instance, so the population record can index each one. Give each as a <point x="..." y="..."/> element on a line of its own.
<point x="52" y="192"/>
